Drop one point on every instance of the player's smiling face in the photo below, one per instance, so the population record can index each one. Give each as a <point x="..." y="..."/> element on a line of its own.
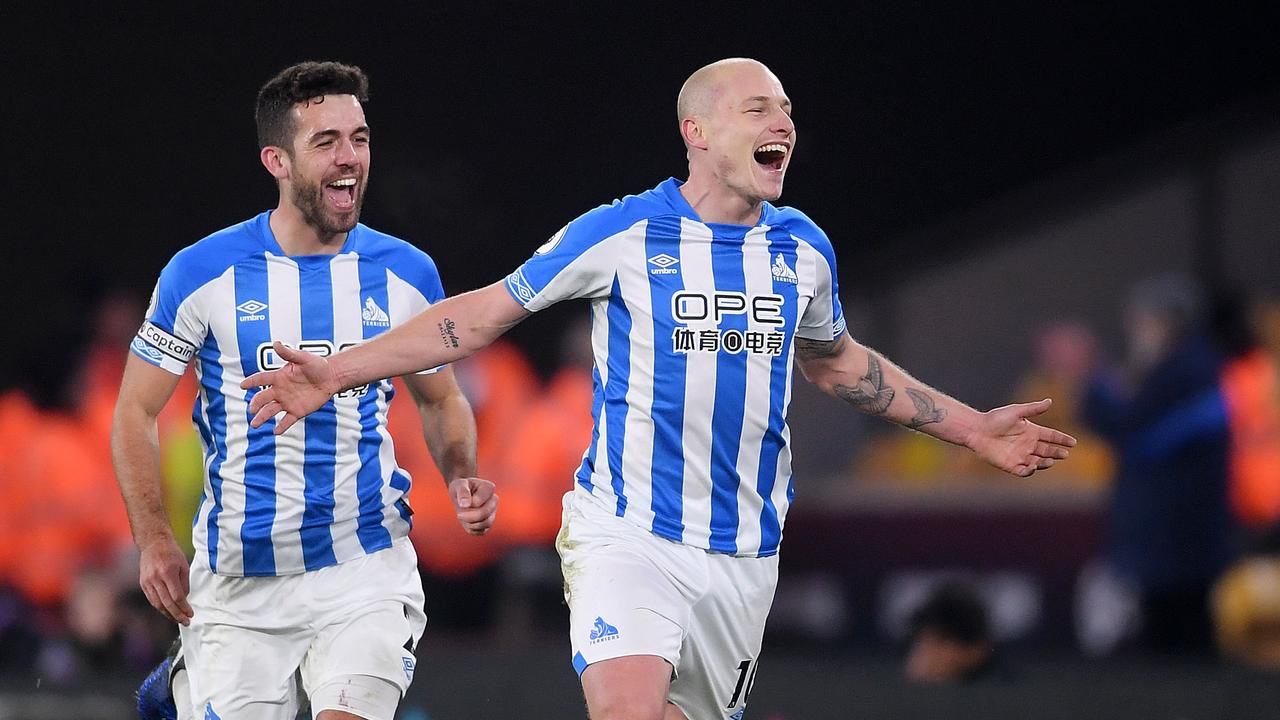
<point x="751" y="135"/>
<point x="329" y="162"/>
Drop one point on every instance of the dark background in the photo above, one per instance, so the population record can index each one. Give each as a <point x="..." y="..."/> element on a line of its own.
<point x="1059" y="151"/>
<point x="129" y="130"/>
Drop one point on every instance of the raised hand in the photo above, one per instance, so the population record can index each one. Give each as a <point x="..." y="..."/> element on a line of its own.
<point x="1007" y="439"/>
<point x="475" y="502"/>
<point x="298" y="389"/>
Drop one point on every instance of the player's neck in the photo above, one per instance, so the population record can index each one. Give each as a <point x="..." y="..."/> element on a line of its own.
<point x="298" y="237"/>
<point x="716" y="203"/>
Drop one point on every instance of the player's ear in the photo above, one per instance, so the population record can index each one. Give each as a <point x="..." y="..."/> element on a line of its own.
<point x="693" y="133"/>
<point x="275" y="161"/>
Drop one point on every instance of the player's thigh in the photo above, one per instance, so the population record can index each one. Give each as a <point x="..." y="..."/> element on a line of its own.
<point x="355" y="696"/>
<point x="722" y="648"/>
<point x="632" y="687"/>
<point x="629" y="592"/>
<point x="234" y="672"/>
<point x="240" y="654"/>
<point x="369" y="630"/>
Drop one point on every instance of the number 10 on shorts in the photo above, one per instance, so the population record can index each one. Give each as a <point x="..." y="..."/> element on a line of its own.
<point x="746" y="681"/>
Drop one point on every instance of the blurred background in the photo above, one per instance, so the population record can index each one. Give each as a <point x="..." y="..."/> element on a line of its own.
<point x="1075" y="201"/>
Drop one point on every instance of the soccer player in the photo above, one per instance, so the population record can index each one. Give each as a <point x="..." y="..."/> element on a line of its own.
<point x="702" y="293"/>
<point x="302" y="559"/>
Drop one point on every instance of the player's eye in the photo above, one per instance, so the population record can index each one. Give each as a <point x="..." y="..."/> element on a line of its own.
<point x="324" y="143"/>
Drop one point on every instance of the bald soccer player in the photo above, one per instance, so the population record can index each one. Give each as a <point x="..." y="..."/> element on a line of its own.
<point x="701" y="293"/>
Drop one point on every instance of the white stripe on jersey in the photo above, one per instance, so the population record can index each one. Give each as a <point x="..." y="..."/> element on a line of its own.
<point x="230" y="561"/>
<point x="637" y="451"/>
<point x="348" y="327"/>
<point x="695" y="256"/>
<point x="756" y="264"/>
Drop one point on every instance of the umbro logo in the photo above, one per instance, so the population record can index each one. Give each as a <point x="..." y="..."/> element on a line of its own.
<point x="371" y="314"/>
<point x="663" y="264"/>
<point x="782" y="273"/>
<point x="602" y="631"/>
<point x="251" y="310"/>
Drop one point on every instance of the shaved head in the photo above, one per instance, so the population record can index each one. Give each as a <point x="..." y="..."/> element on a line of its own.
<point x="699" y="92"/>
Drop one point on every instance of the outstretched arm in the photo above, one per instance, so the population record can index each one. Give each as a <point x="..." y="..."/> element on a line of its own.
<point x="1004" y="437"/>
<point x="443" y="333"/>
<point x="449" y="427"/>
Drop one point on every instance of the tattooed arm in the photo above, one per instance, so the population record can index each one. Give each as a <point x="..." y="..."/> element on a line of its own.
<point x="443" y="333"/>
<point x="866" y="380"/>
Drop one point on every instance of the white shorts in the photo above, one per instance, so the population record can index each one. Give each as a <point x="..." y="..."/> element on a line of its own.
<point x="631" y="592"/>
<point x="249" y="635"/>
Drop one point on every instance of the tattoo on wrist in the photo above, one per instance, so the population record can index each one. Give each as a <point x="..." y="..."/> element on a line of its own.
<point x="870" y="395"/>
<point x="926" y="411"/>
<point x="447" y="333"/>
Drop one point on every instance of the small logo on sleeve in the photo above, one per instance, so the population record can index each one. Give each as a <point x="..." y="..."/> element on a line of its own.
<point x="602" y="632"/>
<point x="551" y="243"/>
<point x="520" y="287"/>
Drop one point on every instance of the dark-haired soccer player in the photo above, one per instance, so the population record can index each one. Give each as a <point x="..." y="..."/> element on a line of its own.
<point x="302" y="563"/>
<point x="702" y="293"/>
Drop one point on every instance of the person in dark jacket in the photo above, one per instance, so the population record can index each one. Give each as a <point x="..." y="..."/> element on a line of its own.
<point x="1170" y="527"/>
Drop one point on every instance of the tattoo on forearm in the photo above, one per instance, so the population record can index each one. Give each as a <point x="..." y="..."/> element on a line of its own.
<point x="870" y="395"/>
<point x="926" y="411"/>
<point x="816" y="349"/>
<point x="447" y="333"/>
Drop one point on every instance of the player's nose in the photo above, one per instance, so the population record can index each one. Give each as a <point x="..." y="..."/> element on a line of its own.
<point x="783" y="124"/>
<point x="346" y="154"/>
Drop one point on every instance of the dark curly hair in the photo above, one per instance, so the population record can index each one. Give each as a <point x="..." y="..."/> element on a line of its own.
<point x="300" y="83"/>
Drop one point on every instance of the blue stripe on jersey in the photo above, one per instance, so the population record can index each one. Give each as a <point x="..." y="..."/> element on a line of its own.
<point x="216" y="410"/>
<point x="615" y="390"/>
<point x="373" y="536"/>
<point x="669" y="370"/>
<point x="730" y="397"/>
<point x="315" y="287"/>
<point x="588" y="466"/>
<point x="260" y="455"/>
<point x="780" y="242"/>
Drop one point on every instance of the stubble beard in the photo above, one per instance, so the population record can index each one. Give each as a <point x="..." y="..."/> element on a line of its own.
<point x="308" y="197"/>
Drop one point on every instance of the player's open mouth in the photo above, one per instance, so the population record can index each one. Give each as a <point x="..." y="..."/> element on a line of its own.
<point x="771" y="156"/>
<point x="342" y="193"/>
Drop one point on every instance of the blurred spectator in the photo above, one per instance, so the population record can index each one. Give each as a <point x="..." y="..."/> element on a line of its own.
<point x="1171" y="530"/>
<point x="534" y="471"/>
<point x="951" y="639"/>
<point x="1247" y="613"/>
<point x="1064" y="356"/>
<point x="1251" y="385"/>
<point x="459" y="571"/>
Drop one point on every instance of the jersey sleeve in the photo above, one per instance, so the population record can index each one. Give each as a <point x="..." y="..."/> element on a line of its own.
<point x="172" y="330"/>
<point x="823" y="319"/>
<point x="574" y="263"/>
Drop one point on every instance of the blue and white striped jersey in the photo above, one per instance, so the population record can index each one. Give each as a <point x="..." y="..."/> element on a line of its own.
<point x="692" y="329"/>
<point x="328" y="490"/>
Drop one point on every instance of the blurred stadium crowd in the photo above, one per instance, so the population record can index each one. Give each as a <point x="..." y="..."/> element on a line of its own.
<point x="1179" y="441"/>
